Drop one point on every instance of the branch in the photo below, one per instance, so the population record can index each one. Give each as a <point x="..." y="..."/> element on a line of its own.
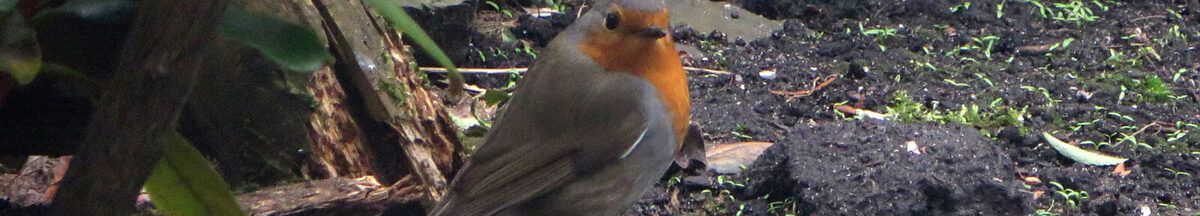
<point x="159" y="66"/>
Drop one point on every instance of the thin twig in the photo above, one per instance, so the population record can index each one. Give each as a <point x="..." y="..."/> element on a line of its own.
<point x="495" y="71"/>
<point x="475" y="70"/>
<point x="1143" y="129"/>
<point x="1147" y="17"/>
<point x="862" y="112"/>
<point x="706" y="70"/>
<point x="824" y="81"/>
<point x="579" y="13"/>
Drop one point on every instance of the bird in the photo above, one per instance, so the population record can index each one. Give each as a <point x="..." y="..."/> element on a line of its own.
<point x="595" y="122"/>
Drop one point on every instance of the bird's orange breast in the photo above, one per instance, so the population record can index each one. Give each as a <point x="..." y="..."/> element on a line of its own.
<point x="656" y="61"/>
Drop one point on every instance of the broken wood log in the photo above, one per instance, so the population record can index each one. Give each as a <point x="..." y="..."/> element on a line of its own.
<point x="408" y="129"/>
<point x="335" y="196"/>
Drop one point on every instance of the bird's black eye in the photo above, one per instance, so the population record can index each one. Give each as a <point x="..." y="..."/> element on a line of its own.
<point x="611" y="21"/>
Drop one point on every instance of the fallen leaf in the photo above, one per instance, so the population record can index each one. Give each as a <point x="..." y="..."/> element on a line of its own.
<point x="1081" y="155"/>
<point x="730" y="158"/>
<point x="1120" y="170"/>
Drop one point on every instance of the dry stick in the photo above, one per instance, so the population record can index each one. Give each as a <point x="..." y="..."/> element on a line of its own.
<point x="805" y="92"/>
<point x="1162" y="127"/>
<point x="1147" y="17"/>
<point x="710" y="71"/>
<point x="476" y="70"/>
<point x="493" y="71"/>
<point x="579" y="12"/>
<point x="1143" y="129"/>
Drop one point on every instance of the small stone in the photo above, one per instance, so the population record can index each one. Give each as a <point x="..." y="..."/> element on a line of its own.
<point x="683" y="33"/>
<point x="698" y="182"/>
<point x="856" y="71"/>
<point x="911" y="146"/>
<point x="767" y="74"/>
<point x="1012" y="134"/>
<point x="777" y="35"/>
<point x="1032" y="180"/>
<point x="717" y="36"/>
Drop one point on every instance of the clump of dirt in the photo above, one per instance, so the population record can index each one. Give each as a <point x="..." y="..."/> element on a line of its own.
<point x="889" y="169"/>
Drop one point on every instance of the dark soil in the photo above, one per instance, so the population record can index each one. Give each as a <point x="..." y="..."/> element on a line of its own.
<point x="1132" y="71"/>
<point x="867" y="168"/>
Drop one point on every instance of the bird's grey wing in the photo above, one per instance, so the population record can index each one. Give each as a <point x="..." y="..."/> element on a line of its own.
<point x="561" y="123"/>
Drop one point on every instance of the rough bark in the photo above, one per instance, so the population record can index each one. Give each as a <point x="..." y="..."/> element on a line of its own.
<point x="264" y="124"/>
<point x="157" y="71"/>
<point x="253" y="121"/>
<point x="338" y="143"/>
<point x="407" y="128"/>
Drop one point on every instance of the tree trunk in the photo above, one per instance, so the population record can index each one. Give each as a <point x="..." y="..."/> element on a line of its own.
<point x="158" y="68"/>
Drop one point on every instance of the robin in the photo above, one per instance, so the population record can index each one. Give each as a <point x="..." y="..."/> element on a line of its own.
<point x="596" y="121"/>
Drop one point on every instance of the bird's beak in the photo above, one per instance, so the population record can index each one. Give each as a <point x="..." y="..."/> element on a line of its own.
<point x="653" y="32"/>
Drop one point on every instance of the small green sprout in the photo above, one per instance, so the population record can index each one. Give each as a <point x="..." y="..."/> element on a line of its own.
<point x="1042" y="9"/>
<point x="1045" y="93"/>
<point x="742" y="132"/>
<point x="1063" y="44"/>
<point x="960" y="7"/>
<point x="1075" y="11"/>
<point x="956" y="83"/>
<point x="882" y="33"/>
<point x="1178" y="74"/>
<point x="1073" y="197"/>
<point x="556" y="5"/>
<point x="1177" y="173"/>
<point x="1175" y="14"/>
<point x="1121" y="116"/>
<point x="985" y="79"/>
<point x="1000" y="9"/>
<point x="1100" y="5"/>
<point x="987" y="43"/>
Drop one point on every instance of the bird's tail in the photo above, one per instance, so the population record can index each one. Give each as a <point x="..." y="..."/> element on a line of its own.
<point x="443" y="208"/>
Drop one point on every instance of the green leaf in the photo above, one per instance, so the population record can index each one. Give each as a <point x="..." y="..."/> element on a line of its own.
<point x="7" y="6"/>
<point x="19" y="53"/>
<point x="400" y="20"/>
<point x="292" y="46"/>
<point x="494" y="97"/>
<point x="1081" y="155"/>
<point x="185" y="183"/>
